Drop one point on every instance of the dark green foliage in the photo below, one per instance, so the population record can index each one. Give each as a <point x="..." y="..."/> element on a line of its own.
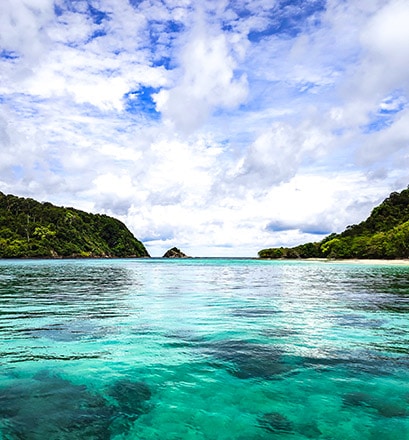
<point x="32" y="229"/>
<point x="272" y="253"/>
<point x="308" y="250"/>
<point x="384" y="234"/>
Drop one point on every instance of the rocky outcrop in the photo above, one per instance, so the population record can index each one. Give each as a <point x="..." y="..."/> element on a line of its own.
<point x="174" y="253"/>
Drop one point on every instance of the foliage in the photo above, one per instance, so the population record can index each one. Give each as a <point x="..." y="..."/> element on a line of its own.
<point x="384" y="234"/>
<point x="32" y="229"/>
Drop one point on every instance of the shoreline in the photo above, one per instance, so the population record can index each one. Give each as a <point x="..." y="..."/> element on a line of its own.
<point x="397" y="262"/>
<point x="357" y="261"/>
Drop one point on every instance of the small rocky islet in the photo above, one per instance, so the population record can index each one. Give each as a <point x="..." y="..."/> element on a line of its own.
<point x="175" y="253"/>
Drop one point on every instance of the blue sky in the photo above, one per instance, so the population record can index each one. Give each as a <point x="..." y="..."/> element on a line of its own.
<point x="220" y="127"/>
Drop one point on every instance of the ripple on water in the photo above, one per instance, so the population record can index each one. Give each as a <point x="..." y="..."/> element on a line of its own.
<point x="203" y="349"/>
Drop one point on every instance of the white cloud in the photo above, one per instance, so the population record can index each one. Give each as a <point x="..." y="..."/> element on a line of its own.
<point x="207" y="80"/>
<point x="24" y="27"/>
<point x="379" y="66"/>
<point x="388" y="145"/>
<point x="384" y="37"/>
<point x="276" y="155"/>
<point x="80" y="66"/>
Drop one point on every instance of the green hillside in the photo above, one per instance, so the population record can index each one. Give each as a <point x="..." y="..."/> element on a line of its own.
<point x="384" y="234"/>
<point x="32" y="229"/>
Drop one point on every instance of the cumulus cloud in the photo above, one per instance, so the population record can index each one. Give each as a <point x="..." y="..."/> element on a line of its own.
<point x="387" y="57"/>
<point x="207" y="80"/>
<point x="378" y="65"/>
<point x="24" y="27"/>
<point x="389" y="145"/>
<point x="276" y="155"/>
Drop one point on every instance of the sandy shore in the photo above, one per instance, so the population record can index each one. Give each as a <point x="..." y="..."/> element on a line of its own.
<point x="399" y="262"/>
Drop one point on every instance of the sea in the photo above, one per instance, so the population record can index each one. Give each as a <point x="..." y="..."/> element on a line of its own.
<point x="203" y="349"/>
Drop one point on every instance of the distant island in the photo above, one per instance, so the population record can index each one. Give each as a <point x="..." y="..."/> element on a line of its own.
<point x="30" y="229"/>
<point x="174" y="253"/>
<point x="383" y="235"/>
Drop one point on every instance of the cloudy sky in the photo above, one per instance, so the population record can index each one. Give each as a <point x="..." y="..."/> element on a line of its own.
<point x="221" y="127"/>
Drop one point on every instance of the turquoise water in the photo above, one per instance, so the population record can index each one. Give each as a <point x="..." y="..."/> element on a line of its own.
<point x="203" y="349"/>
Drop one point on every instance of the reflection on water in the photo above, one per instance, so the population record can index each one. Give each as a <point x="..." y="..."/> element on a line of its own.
<point x="204" y="349"/>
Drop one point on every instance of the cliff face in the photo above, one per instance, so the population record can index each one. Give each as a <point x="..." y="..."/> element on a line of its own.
<point x="384" y="234"/>
<point x="32" y="229"/>
<point x="174" y="253"/>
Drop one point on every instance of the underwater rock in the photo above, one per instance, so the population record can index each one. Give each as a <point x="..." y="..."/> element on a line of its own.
<point x="276" y="423"/>
<point x="48" y="407"/>
<point x="130" y="397"/>
<point x="247" y="360"/>
<point x="52" y="408"/>
<point x="357" y="399"/>
<point x="309" y="430"/>
<point x="392" y="409"/>
<point x="386" y="407"/>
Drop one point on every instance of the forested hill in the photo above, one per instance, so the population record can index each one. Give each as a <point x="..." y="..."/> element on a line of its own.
<point x="32" y="229"/>
<point x="384" y="234"/>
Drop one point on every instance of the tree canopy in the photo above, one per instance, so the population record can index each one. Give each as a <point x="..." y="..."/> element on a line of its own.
<point x="31" y="229"/>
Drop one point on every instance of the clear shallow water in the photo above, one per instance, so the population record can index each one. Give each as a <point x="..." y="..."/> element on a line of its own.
<point x="203" y="349"/>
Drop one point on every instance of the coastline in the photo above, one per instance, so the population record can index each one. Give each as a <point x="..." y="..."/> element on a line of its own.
<point x="397" y="262"/>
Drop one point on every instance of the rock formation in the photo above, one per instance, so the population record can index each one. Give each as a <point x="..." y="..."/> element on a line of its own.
<point x="174" y="253"/>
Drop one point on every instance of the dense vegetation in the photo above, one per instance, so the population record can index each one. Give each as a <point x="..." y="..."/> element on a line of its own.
<point x="32" y="229"/>
<point x="385" y="234"/>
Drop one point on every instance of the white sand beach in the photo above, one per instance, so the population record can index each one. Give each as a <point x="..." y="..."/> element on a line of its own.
<point x="397" y="262"/>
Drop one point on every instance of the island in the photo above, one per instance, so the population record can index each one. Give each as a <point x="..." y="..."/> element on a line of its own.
<point x="174" y="253"/>
<point x="31" y="229"/>
<point x="383" y="235"/>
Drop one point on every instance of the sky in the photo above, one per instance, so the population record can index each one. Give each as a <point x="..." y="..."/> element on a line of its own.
<point x="219" y="127"/>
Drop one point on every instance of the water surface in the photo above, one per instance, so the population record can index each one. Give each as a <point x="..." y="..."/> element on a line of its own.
<point x="203" y="349"/>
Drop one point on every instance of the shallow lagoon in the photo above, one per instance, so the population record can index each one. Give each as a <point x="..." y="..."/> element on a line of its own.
<point x="203" y="349"/>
